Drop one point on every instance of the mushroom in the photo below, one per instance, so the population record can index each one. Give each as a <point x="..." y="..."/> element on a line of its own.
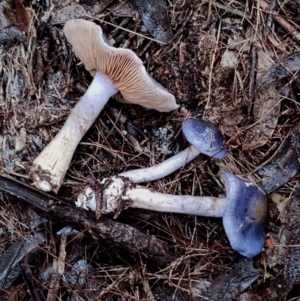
<point x="204" y="137"/>
<point x="244" y="211"/>
<point x="114" y="70"/>
<point x="245" y="215"/>
<point x="117" y="194"/>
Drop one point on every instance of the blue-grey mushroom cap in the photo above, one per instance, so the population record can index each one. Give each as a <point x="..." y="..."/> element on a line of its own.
<point x="205" y="136"/>
<point x="245" y="215"/>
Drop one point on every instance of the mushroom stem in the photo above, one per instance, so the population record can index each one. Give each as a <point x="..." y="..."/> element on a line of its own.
<point x="144" y="198"/>
<point x="244" y="211"/>
<point x="162" y="169"/>
<point x="50" y="166"/>
<point x="117" y="194"/>
<point x="204" y="137"/>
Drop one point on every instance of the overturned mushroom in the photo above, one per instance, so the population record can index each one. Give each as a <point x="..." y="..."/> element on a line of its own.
<point x="114" y="70"/>
<point x="204" y="137"/>
<point x="244" y="210"/>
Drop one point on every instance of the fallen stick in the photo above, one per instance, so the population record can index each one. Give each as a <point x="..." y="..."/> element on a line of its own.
<point x="58" y="270"/>
<point x="231" y="283"/>
<point x="123" y="237"/>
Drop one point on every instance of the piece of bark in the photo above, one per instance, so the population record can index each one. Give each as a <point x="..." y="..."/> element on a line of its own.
<point x="230" y="284"/>
<point x="123" y="237"/>
<point x="154" y="15"/>
<point x="286" y="67"/>
<point x="284" y="165"/>
<point x="16" y="253"/>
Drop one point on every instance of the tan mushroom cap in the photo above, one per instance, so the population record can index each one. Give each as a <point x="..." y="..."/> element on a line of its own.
<point x="125" y="70"/>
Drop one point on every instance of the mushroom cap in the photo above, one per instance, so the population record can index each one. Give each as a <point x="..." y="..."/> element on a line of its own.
<point x="245" y="215"/>
<point x="122" y="66"/>
<point x="205" y="136"/>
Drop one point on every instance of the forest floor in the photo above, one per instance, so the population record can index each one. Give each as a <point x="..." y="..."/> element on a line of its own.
<point x="234" y="63"/>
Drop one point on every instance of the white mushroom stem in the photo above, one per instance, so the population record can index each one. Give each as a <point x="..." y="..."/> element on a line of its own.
<point x="162" y="169"/>
<point x="144" y="198"/>
<point x="50" y="166"/>
<point x="118" y="194"/>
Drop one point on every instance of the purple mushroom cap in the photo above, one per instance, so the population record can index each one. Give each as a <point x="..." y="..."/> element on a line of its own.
<point x="245" y="215"/>
<point x="205" y="136"/>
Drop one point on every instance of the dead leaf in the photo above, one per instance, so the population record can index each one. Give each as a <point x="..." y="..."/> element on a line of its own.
<point x="283" y="166"/>
<point x="266" y="108"/>
<point x="270" y="242"/>
<point x="283" y="69"/>
<point x="15" y="20"/>
<point x="266" y="112"/>
<point x="24" y="17"/>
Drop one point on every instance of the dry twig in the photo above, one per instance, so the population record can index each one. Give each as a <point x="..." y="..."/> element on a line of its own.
<point x="58" y="270"/>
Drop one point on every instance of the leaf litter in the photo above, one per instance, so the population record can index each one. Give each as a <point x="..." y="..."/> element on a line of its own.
<point x="253" y="97"/>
